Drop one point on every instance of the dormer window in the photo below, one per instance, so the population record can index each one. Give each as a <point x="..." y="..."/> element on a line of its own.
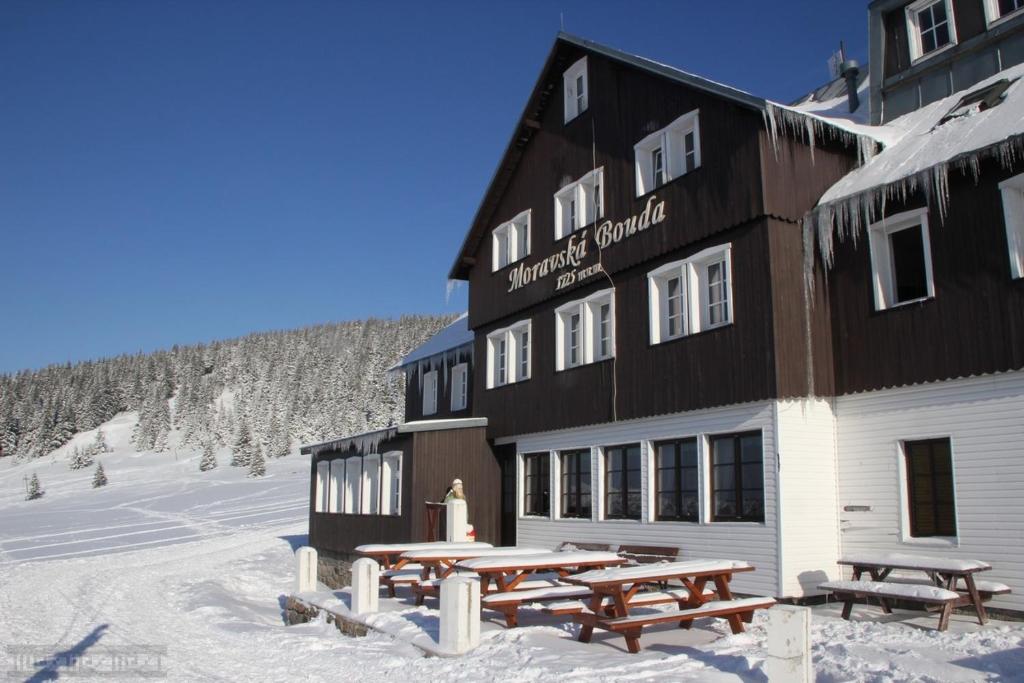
<point x="579" y="204"/>
<point x="931" y="28"/>
<point x="511" y="241"/>
<point x="668" y="153"/>
<point x="997" y="10"/>
<point x="574" y="86"/>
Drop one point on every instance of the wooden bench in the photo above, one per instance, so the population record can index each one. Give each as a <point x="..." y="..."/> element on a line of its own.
<point x="639" y="600"/>
<point x="735" y="611"/>
<point x="648" y="554"/>
<point x="428" y="588"/>
<point x="407" y="575"/>
<point x="929" y="595"/>
<point x="568" y="546"/>
<point x="509" y="603"/>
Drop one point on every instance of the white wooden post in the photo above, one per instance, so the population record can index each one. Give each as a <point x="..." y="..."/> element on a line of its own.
<point x="789" y="645"/>
<point x="460" y="615"/>
<point x="365" y="586"/>
<point x="305" y="580"/>
<point x="457" y="517"/>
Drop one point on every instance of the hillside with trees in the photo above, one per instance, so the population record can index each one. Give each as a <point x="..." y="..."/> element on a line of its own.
<point x="269" y="390"/>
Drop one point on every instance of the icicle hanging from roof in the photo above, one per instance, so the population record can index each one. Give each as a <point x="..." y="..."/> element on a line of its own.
<point x="781" y="120"/>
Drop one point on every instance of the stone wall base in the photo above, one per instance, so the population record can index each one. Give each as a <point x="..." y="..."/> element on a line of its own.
<point x="334" y="570"/>
<point x="299" y="612"/>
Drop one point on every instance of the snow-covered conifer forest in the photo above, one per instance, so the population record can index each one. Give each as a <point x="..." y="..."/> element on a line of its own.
<point x="277" y="388"/>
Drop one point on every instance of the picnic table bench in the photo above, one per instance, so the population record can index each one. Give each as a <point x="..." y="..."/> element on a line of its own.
<point x="440" y="562"/>
<point x="616" y="591"/>
<point x="948" y="583"/>
<point x="532" y="578"/>
<point x="398" y="570"/>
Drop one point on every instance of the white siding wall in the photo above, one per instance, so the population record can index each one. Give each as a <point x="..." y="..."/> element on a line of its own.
<point x="984" y="419"/>
<point x="808" y="495"/>
<point x="753" y="542"/>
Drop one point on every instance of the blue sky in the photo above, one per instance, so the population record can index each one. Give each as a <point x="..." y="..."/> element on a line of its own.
<point x="176" y="172"/>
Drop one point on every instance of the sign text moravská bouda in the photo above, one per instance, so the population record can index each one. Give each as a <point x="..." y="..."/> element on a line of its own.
<point x="575" y="251"/>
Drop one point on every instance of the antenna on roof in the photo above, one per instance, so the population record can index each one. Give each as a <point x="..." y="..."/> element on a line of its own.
<point x="561" y="20"/>
<point x="835" y="61"/>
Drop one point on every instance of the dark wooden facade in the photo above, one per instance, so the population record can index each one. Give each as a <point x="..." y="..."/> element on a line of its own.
<point x="430" y="460"/>
<point x="443" y="363"/>
<point x="749" y="191"/>
<point x="974" y="324"/>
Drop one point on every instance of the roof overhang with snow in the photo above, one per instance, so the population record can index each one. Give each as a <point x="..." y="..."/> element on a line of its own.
<point x="454" y="335"/>
<point x="779" y="118"/>
<point x="370" y="442"/>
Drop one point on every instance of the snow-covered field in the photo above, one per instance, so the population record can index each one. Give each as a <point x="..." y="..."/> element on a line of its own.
<point x="188" y="570"/>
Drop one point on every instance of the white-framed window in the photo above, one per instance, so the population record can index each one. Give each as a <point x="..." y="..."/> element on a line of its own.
<point x="930" y="27"/>
<point x="323" y="476"/>
<point x="575" y="89"/>
<point x="391" y="484"/>
<point x="353" y="485"/>
<point x="585" y="330"/>
<point x="928" y="491"/>
<point x="336" y="493"/>
<point x="1013" y="213"/>
<point x="508" y="354"/>
<point x="510" y="241"/>
<point x="668" y="153"/>
<point x="901" y="259"/>
<point x="691" y="295"/>
<point x="371" y="485"/>
<point x="579" y="203"/>
<point x="997" y="10"/>
<point x="430" y="392"/>
<point x="460" y="386"/>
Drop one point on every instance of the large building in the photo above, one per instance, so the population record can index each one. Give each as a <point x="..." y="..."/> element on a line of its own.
<point x="706" y="320"/>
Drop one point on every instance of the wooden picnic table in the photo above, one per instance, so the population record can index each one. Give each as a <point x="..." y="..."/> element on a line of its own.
<point x="517" y="579"/>
<point x="951" y="574"/>
<point x="441" y="561"/>
<point x="616" y="591"/>
<point x="389" y="554"/>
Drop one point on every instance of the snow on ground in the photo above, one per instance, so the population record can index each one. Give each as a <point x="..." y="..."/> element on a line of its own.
<point x="194" y="567"/>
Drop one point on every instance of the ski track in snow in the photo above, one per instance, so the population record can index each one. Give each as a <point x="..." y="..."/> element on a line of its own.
<point x="199" y="564"/>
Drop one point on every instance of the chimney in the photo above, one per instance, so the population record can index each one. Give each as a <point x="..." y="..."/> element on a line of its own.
<point x="849" y="70"/>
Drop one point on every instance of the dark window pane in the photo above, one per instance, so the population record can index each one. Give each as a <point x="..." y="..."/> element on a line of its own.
<point x="666" y="505"/>
<point x="723" y="451"/>
<point x="725" y="504"/>
<point x="909" y="276"/>
<point x="752" y="476"/>
<point x="725" y="478"/>
<point x="930" y="488"/>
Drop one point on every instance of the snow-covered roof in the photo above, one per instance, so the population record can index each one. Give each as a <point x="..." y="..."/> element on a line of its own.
<point x="451" y="337"/>
<point x="369" y="442"/>
<point x="919" y="141"/>
<point x="919" y="149"/>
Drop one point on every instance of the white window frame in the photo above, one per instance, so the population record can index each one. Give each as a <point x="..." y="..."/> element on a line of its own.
<point x="572" y="106"/>
<point x="901" y="467"/>
<point x="882" y="269"/>
<point x="671" y="140"/>
<point x="917" y="53"/>
<point x="353" y="485"/>
<point x="510" y="241"/>
<point x="370" y="487"/>
<point x="695" y="308"/>
<point x="512" y="337"/>
<point x="323" y="476"/>
<point x="588" y="310"/>
<point x="336" y="490"/>
<point x="391" y="483"/>
<point x="992" y="17"/>
<point x="430" y="392"/>
<point x="587" y="196"/>
<point x="460" y="386"/>
<point x="1012" y="190"/>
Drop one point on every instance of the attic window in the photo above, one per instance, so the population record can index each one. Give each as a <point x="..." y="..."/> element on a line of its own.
<point x="575" y="89"/>
<point x="931" y="28"/>
<point x="979" y="100"/>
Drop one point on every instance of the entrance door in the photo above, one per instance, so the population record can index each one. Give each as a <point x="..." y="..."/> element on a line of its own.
<point x="507" y="460"/>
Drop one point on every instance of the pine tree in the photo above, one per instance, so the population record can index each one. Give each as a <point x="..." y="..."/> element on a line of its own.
<point x="242" y="451"/>
<point x="209" y="459"/>
<point x="100" y="478"/>
<point x="257" y="466"/>
<point x="99" y="445"/>
<point x="35" y="490"/>
<point x="80" y="458"/>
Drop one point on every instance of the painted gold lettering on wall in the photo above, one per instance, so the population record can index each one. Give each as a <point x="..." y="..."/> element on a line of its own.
<point x="606" y="234"/>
